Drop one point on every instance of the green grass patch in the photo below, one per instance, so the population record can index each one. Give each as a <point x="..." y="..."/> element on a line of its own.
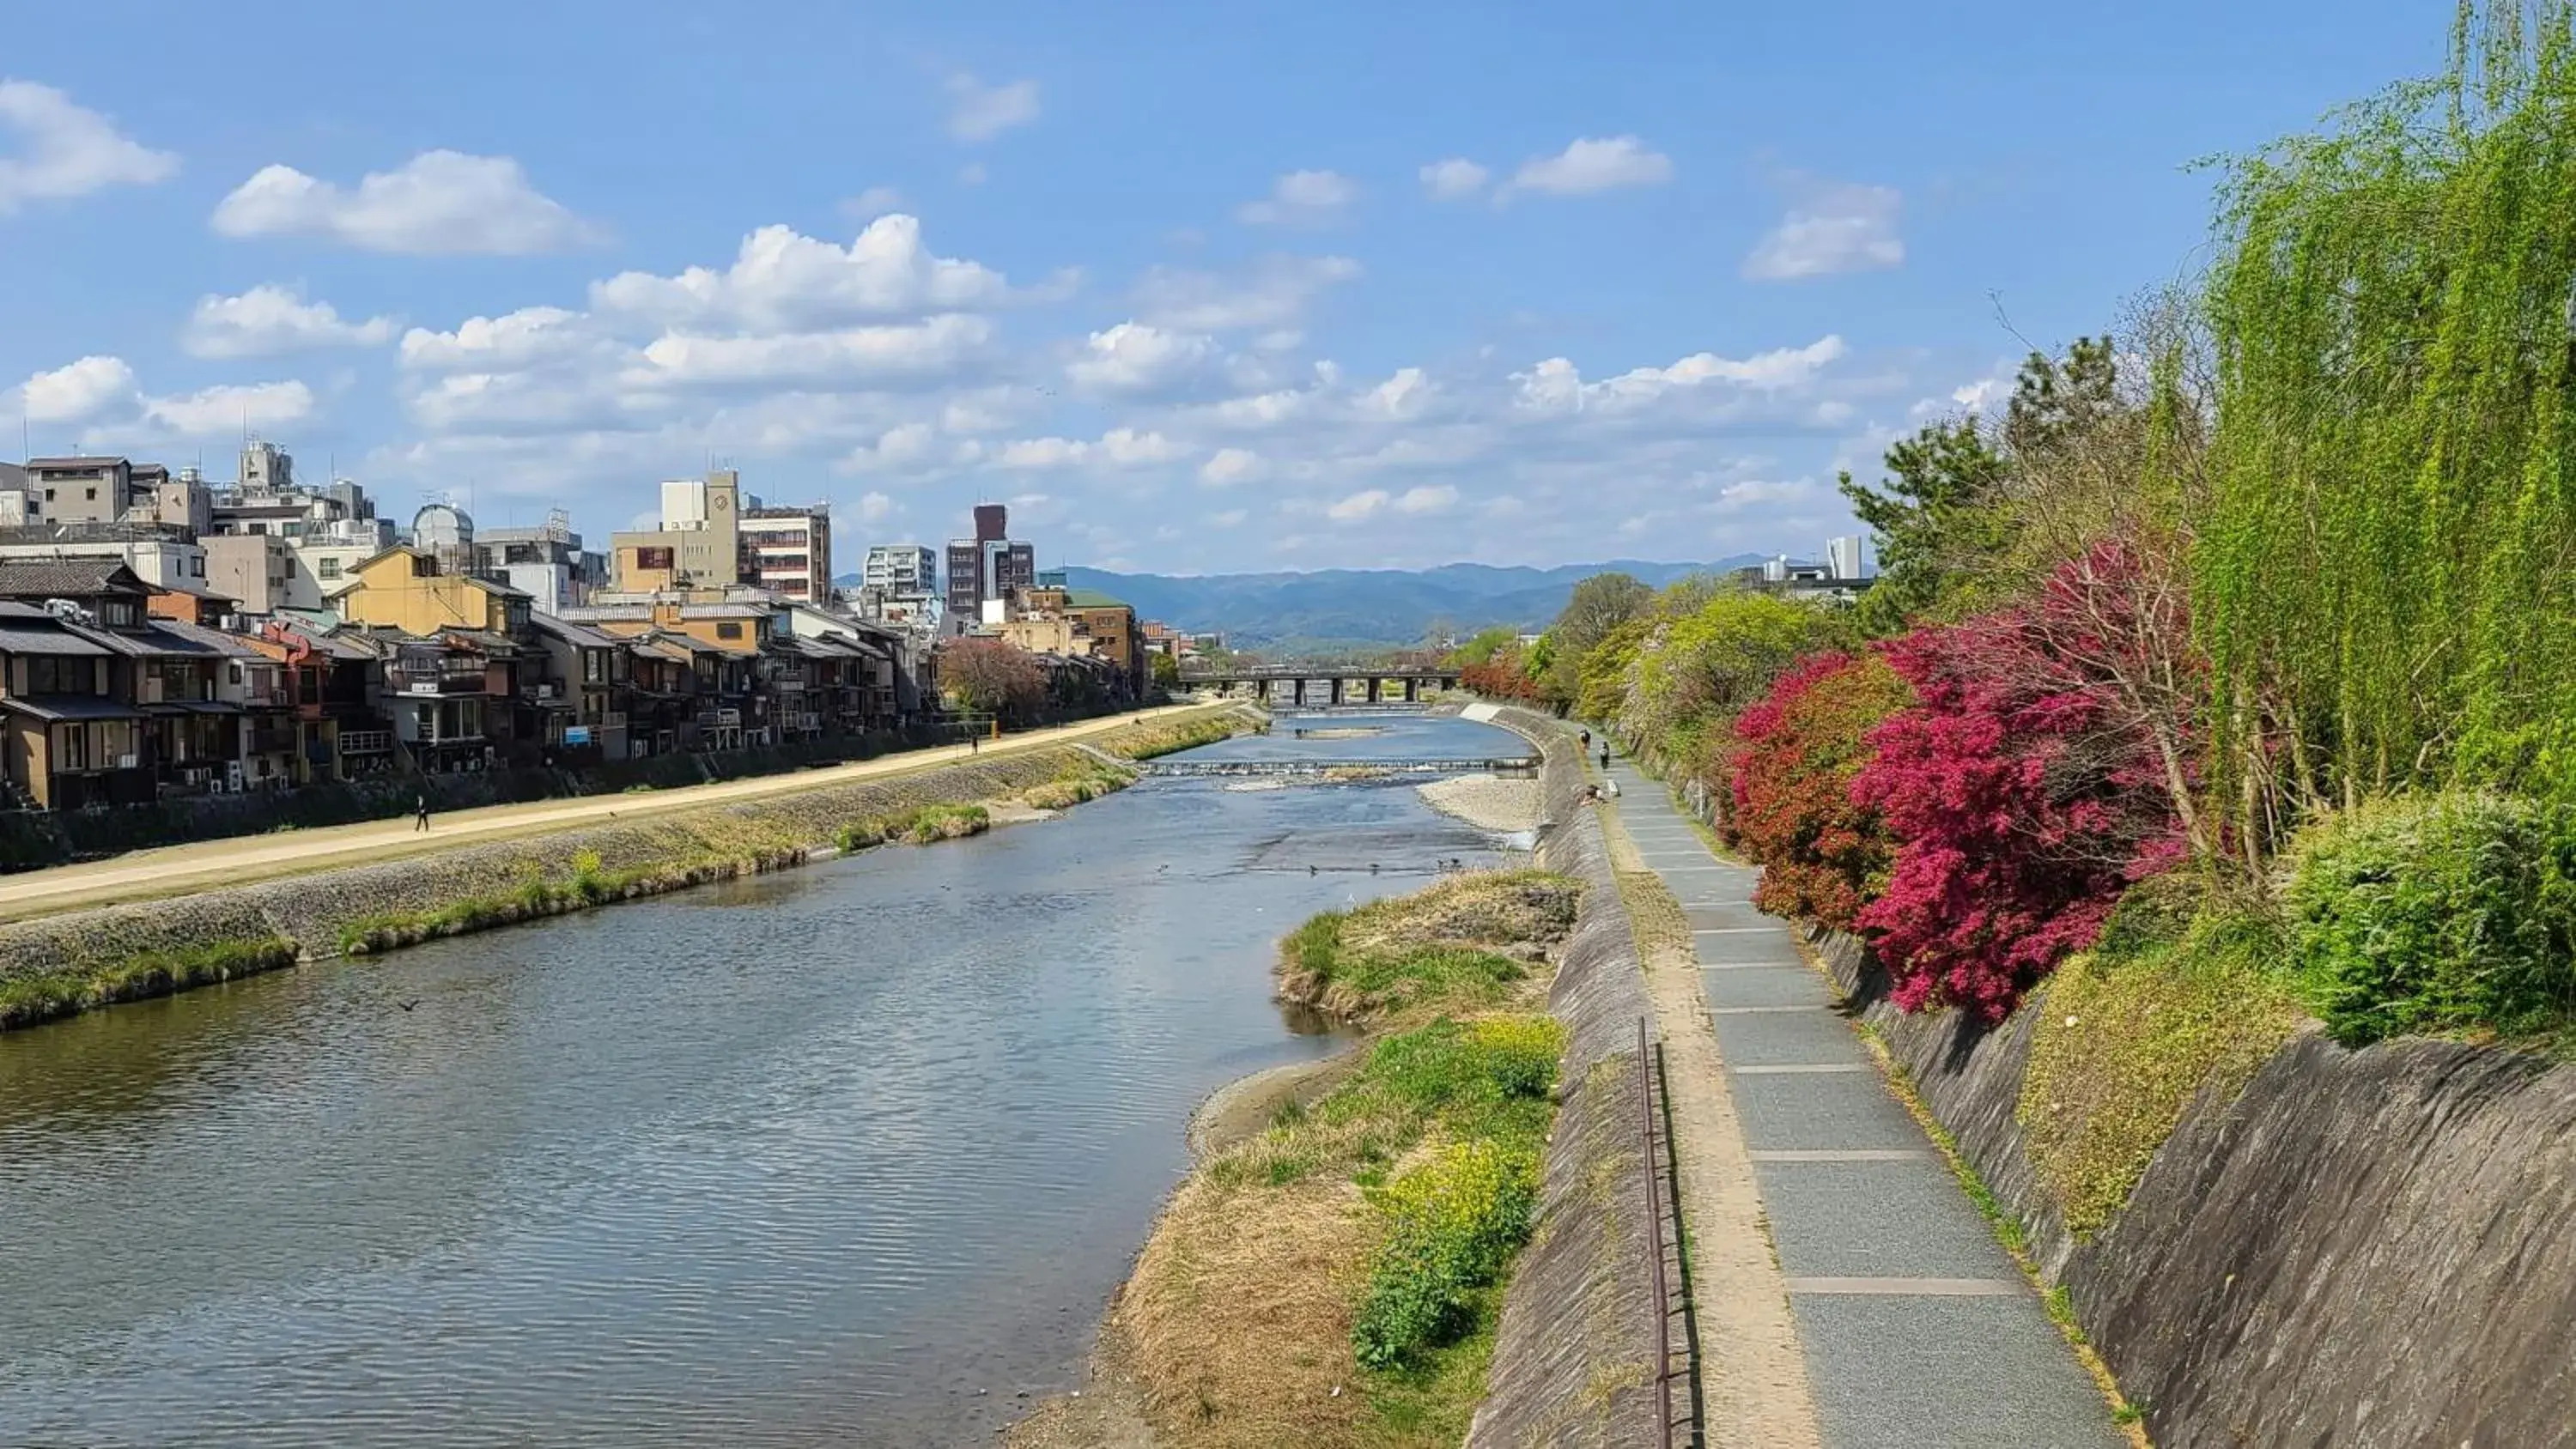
<point x="26" y="1000"/>
<point x="1146" y="741"/>
<point x="1082" y="780"/>
<point x="2177" y="998"/>
<point x="920" y="825"/>
<point x="1464" y="942"/>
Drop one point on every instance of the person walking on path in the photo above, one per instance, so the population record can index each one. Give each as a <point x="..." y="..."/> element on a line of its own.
<point x="420" y="812"/>
<point x="974" y="744"/>
<point x="1605" y="757"/>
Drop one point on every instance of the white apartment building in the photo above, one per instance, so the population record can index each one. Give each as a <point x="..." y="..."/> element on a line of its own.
<point x="788" y="551"/>
<point x="901" y="569"/>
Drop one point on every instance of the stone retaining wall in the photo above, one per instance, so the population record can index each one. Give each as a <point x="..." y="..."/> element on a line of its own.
<point x="1575" y="1353"/>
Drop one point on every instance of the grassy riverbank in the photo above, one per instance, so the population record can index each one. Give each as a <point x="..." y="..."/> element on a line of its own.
<point x="56" y="965"/>
<point x="26" y="1000"/>
<point x="1334" y="1279"/>
<point x="1466" y="942"/>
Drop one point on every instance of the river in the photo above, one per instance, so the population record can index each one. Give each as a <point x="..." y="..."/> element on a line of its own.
<point x="848" y="1155"/>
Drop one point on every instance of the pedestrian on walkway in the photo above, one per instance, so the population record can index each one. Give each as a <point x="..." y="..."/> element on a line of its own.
<point x="974" y="744"/>
<point x="1587" y="739"/>
<point x="1605" y="757"/>
<point x="420" y="812"/>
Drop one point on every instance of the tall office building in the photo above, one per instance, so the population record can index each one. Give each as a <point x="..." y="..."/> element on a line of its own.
<point x="986" y="569"/>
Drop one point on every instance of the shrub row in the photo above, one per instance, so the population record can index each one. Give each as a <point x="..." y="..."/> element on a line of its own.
<point x="2446" y="913"/>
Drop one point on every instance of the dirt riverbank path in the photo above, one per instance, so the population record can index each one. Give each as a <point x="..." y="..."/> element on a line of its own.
<point x="1916" y="1329"/>
<point x="174" y="870"/>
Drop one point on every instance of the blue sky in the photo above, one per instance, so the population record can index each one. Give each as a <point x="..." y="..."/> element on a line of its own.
<point x="1190" y="286"/>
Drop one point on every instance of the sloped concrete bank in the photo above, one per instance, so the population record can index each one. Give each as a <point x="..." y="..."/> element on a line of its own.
<point x="2362" y="1249"/>
<point x="476" y="887"/>
<point x="1574" y="1355"/>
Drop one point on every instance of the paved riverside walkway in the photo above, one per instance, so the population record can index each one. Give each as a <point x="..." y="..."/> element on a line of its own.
<point x="1919" y="1332"/>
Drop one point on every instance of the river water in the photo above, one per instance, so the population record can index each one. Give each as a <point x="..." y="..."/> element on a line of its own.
<point x="848" y="1155"/>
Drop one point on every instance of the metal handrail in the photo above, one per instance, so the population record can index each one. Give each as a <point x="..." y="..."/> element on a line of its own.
<point x="1655" y="1233"/>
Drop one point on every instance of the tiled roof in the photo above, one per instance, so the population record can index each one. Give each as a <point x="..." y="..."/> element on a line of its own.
<point x="53" y="578"/>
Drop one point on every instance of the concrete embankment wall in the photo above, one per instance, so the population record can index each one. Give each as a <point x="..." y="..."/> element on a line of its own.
<point x="2364" y="1248"/>
<point x="663" y="852"/>
<point x="1574" y="1357"/>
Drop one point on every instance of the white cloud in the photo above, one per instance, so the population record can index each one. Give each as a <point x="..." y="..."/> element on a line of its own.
<point x="267" y="320"/>
<point x="1982" y="395"/>
<point x="978" y="112"/>
<point x="972" y="174"/>
<point x="1301" y="196"/>
<point x="437" y="202"/>
<point x="1230" y="518"/>
<point x="1357" y="506"/>
<point x="1555" y="385"/>
<point x="781" y="279"/>
<point x="1123" y="447"/>
<point x="1401" y="396"/>
<point x="872" y="203"/>
<point x="512" y="340"/>
<point x="928" y="348"/>
<point x="66" y="150"/>
<point x="227" y="409"/>
<point x="1592" y="164"/>
<point x="76" y="391"/>
<point x="1274" y="295"/>
<point x="875" y="507"/>
<point x="1834" y="230"/>
<point x="1137" y="357"/>
<point x="1454" y="179"/>
<point x="1228" y="466"/>
<point x="1434" y="498"/>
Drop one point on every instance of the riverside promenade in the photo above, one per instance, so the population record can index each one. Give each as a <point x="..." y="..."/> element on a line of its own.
<point x="180" y="869"/>
<point x="1918" y="1330"/>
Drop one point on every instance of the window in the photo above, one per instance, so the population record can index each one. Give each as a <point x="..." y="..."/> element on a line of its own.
<point x="46" y="675"/>
<point x="728" y="629"/>
<point x="236" y="673"/>
<point x="90" y="493"/>
<point x="330" y="568"/>
<point x="652" y="558"/>
<point x="74" y="739"/>
<point x="49" y="495"/>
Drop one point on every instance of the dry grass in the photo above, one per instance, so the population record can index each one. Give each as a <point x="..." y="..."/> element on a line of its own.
<point x="1237" y="1324"/>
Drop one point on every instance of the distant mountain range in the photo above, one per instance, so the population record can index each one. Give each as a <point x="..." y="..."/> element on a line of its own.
<point x="1349" y="608"/>
<point x="1294" y="612"/>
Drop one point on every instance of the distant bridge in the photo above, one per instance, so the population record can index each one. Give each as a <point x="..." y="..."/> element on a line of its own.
<point x="1299" y="685"/>
<point x="1524" y="765"/>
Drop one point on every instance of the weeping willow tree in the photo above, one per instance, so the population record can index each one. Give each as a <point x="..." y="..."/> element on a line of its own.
<point x="2385" y="563"/>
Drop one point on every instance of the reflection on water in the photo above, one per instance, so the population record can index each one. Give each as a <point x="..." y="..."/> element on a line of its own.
<point x="850" y="1155"/>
